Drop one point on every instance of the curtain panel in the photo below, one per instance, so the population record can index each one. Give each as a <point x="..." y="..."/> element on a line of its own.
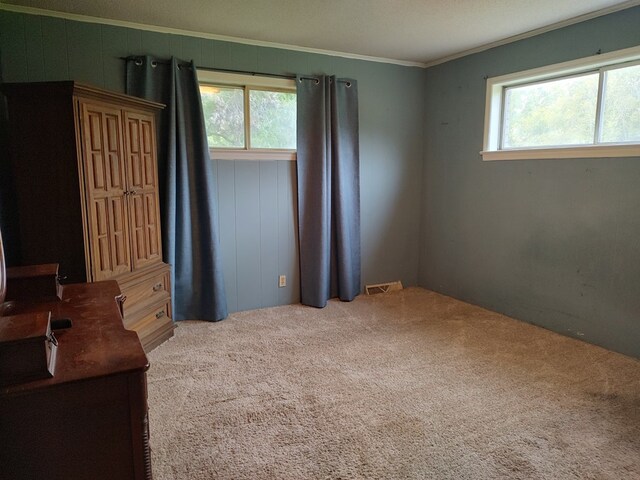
<point x="187" y="186"/>
<point x="328" y="167"/>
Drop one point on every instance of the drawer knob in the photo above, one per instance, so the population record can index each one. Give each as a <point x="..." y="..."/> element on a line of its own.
<point x="157" y="287"/>
<point x="160" y="314"/>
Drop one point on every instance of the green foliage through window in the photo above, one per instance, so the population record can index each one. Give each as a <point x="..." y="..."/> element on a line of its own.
<point x="268" y="116"/>
<point x="561" y="112"/>
<point x="564" y="111"/>
<point x="223" y="116"/>
<point x="621" y="105"/>
<point x="273" y="119"/>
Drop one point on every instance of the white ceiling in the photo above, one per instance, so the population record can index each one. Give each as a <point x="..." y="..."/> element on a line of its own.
<point x="418" y="31"/>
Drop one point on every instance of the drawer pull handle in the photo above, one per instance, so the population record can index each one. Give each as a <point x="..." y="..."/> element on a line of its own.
<point x="160" y="314"/>
<point x="157" y="287"/>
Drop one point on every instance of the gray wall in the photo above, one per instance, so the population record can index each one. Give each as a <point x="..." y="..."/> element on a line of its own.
<point x="258" y="232"/>
<point x="257" y="200"/>
<point x="551" y="242"/>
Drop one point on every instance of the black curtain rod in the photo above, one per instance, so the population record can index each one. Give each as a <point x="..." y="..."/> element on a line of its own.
<point x="227" y="70"/>
<point x="244" y="72"/>
<point x="213" y="69"/>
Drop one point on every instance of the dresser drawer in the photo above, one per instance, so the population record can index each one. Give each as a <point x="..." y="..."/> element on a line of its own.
<point x="148" y="290"/>
<point x="147" y="308"/>
<point x="152" y="325"/>
<point x="158" y="315"/>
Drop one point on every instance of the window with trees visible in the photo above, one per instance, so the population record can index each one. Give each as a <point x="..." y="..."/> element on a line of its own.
<point x="585" y="108"/>
<point x="249" y="117"/>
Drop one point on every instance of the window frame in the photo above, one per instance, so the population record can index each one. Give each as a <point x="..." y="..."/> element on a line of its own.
<point x="495" y="103"/>
<point x="248" y="83"/>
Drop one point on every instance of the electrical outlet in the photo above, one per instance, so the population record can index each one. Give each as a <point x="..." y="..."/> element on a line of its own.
<point x="282" y="281"/>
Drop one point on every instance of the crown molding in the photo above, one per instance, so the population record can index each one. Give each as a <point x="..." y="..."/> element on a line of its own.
<point x="258" y="43"/>
<point x="210" y="36"/>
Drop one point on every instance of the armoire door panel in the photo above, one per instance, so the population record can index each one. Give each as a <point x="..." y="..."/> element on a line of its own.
<point x="153" y="225"/>
<point x="149" y="154"/>
<point x="141" y="151"/>
<point x="134" y="140"/>
<point x="137" y="211"/>
<point x="97" y="173"/>
<point x="102" y="245"/>
<point x="136" y="169"/>
<point x="94" y="150"/>
<point x="145" y="230"/>
<point x="103" y="144"/>
<point x="95" y="130"/>
<point x="120" y="235"/>
<point x="115" y="158"/>
<point x="133" y="147"/>
<point x="111" y="244"/>
<point x="105" y="188"/>
<point x="143" y="180"/>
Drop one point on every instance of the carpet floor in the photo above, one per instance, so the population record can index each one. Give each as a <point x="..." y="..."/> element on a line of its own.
<point x="406" y="385"/>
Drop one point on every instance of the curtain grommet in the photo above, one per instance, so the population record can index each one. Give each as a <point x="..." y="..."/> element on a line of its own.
<point x="138" y="62"/>
<point x="154" y="64"/>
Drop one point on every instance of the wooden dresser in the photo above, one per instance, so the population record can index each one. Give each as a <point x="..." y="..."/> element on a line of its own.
<point x="84" y="166"/>
<point x="88" y="421"/>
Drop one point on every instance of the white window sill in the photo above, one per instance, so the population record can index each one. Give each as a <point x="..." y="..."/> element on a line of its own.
<point x="240" y="154"/>
<point x="589" y="151"/>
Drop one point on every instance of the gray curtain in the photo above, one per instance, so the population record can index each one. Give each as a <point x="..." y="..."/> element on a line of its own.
<point x="328" y="189"/>
<point x="187" y="188"/>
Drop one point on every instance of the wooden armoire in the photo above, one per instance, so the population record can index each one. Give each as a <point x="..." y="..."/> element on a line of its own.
<point x="84" y="169"/>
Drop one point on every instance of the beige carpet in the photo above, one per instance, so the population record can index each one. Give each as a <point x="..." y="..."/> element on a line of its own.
<point x="408" y="385"/>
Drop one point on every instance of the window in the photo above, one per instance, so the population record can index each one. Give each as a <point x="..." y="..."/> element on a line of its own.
<point x="249" y="117"/>
<point x="585" y="108"/>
